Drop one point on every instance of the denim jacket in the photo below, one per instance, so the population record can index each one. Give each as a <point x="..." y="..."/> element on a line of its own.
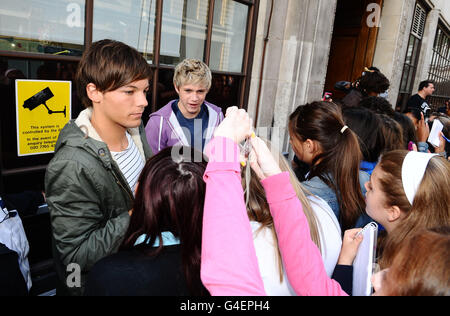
<point x="317" y="187"/>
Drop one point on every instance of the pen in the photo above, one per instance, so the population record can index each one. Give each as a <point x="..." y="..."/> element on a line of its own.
<point x="448" y="140"/>
<point x="359" y="233"/>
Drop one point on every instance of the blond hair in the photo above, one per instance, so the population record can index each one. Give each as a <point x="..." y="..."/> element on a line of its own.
<point x="192" y="71"/>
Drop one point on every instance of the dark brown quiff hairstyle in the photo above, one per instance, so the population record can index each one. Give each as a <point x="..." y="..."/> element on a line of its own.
<point x="338" y="163"/>
<point x="109" y="65"/>
<point x="170" y="197"/>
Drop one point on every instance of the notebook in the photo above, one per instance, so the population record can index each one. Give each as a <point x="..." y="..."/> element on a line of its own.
<point x="364" y="261"/>
<point x="435" y="133"/>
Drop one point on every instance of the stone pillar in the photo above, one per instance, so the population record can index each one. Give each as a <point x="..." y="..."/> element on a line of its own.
<point x="426" y="51"/>
<point x="392" y="42"/>
<point x="296" y="60"/>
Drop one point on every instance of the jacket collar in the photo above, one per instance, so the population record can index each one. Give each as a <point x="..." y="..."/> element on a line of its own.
<point x="84" y="123"/>
<point x="167" y="113"/>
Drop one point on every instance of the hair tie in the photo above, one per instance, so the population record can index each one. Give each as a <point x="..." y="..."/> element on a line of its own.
<point x="343" y="129"/>
<point x="413" y="170"/>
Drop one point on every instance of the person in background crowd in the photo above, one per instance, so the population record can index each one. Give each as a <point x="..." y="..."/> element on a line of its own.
<point x="320" y="137"/>
<point x="408" y="130"/>
<point x="368" y="127"/>
<point x="392" y="133"/>
<point x="372" y="83"/>
<point x="160" y="254"/>
<point x="419" y="101"/>
<point x="444" y="148"/>
<point x="422" y="132"/>
<point x="15" y="276"/>
<point x="377" y="105"/>
<point x="98" y="157"/>
<point x="190" y="120"/>
<point x="434" y="115"/>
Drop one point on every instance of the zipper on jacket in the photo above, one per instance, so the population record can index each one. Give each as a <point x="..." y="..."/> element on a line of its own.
<point x="121" y="185"/>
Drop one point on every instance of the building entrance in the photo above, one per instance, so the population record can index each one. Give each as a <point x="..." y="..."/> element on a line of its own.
<point x="353" y="43"/>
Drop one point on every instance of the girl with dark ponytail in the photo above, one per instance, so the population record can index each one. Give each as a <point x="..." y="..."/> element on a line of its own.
<point x="320" y="138"/>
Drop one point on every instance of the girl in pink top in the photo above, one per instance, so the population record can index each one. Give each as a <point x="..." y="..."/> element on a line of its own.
<point x="229" y="265"/>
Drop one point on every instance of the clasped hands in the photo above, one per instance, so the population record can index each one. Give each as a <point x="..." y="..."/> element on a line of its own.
<point x="237" y="126"/>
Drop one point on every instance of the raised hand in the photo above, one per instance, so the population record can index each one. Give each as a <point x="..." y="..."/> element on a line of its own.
<point x="423" y="130"/>
<point x="262" y="161"/>
<point x="237" y="125"/>
<point x="350" y="245"/>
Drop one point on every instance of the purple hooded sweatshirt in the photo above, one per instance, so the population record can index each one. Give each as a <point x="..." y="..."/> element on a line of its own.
<point x="163" y="129"/>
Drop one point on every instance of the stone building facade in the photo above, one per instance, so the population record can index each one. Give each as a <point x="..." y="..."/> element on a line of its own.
<point x="300" y="35"/>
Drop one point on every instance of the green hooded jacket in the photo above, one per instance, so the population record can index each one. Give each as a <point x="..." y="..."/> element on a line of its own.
<point x="88" y="198"/>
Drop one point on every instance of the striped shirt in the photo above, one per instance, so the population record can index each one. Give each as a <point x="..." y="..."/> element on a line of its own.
<point x="130" y="163"/>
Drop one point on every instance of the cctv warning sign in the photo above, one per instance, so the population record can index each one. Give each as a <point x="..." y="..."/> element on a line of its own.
<point x="42" y="109"/>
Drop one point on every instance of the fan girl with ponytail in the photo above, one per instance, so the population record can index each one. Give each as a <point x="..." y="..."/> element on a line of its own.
<point x="320" y="138"/>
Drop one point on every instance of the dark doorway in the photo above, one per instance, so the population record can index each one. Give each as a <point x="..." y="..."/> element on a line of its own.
<point x="353" y="43"/>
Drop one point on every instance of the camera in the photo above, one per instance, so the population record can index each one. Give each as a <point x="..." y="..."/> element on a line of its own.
<point x="327" y="96"/>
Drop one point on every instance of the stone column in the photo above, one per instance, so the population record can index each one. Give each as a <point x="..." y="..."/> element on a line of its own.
<point x="296" y="59"/>
<point x="426" y="51"/>
<point x="392" y="42"/>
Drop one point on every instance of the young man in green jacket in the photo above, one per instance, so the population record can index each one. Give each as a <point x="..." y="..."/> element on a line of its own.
<point x="90" y="181"/>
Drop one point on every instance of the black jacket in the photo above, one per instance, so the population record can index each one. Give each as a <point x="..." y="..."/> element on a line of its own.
<point x="12" y="282"/>
<point x="132" y="273"/>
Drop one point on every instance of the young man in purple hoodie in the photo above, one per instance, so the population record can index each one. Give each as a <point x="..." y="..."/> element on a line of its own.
<point x="190" y="120"/>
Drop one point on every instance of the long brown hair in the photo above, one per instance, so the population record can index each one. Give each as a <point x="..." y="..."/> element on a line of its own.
<point x="420" y="267"/>
<point x="431" y="204"/>
<point x="258" y="209"/>
<point x="170" y="197"/>
<point x="392" y="133"/>
<point x="339" y="162"/>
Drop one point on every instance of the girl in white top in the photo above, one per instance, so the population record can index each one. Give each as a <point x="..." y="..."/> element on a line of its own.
<point x="324" y="228"/>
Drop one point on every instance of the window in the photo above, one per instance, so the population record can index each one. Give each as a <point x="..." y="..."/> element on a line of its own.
<point x="227" y="47"/>
<point x="131" y="22"/>
<point x="184" y="30"/>
<point x="440" y="67"/>
<point x="43" y="39"/>
<point x="412" y="56"/>
<point x="47" y="27"/>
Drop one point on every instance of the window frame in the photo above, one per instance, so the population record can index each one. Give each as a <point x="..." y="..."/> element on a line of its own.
<point x="411" y="67"/>
<point x="247" y="57"/>
<point x="249" y="46"/>
<point x="440" y="65"/>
